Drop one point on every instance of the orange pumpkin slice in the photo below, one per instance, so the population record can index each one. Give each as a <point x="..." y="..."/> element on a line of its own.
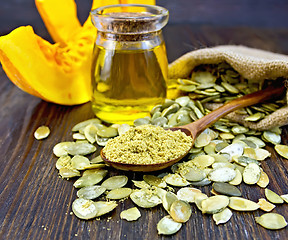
<point x="60" y="72"/>
<point x="56" y="74"/>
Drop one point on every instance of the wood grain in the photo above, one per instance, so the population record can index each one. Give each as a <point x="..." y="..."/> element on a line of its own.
<point x="36" y="204"/>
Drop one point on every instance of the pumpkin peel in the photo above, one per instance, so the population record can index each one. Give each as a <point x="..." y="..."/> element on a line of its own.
<point x="59" y="72"/>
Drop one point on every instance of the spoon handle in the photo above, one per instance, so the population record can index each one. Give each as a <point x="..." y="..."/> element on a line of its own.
<point x="201" y="124"/>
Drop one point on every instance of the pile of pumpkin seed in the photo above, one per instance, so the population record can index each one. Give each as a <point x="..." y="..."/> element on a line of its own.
<point x="224" y="156"/>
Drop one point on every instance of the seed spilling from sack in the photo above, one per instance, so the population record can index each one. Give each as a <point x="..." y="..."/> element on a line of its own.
<point x="225" y="155"/>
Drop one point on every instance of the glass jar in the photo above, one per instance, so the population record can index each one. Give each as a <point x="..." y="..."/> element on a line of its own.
<point x="129" y="67"/>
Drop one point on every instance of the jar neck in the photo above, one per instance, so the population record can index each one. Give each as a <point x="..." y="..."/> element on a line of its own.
<point x="145" y="41"/>
<point x="129" y="37"/>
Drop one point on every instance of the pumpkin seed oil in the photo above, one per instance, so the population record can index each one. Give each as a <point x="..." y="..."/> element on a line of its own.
<point x="128" y="83"/>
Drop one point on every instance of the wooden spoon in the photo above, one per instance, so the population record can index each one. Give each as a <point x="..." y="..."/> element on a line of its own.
<point x="195" y="128"/>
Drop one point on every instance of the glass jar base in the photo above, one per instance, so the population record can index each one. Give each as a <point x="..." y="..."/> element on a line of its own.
<point x="121" y="114"/>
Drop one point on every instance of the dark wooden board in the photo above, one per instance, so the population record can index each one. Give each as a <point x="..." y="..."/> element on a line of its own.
<point x="36" y="204"/>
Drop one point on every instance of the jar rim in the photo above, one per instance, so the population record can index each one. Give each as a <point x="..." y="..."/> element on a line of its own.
<point x="153" y="9"/>
<point x="129" y="18"/>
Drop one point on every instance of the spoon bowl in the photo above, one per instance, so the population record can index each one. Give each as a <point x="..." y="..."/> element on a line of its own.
<point x="148" y="167"/>
<point x="195" y="128"/>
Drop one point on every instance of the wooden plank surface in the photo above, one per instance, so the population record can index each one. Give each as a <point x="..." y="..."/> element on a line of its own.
<point x="36" y="204"/>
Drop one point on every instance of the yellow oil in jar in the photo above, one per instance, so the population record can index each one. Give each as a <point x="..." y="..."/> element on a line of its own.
<point x="128" y="83"/>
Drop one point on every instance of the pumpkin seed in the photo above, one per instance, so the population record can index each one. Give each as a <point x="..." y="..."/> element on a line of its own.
<point x="210" y="148"/>
<point x="276" y="130"/>
<point x="257" y="141"/>
<point x="42" y="132"/>
<point x="234" y="149"/>
<point x="192" y="173"/>
<point x="251" y="174"/>
<point x="272" y="137"/>
<point x="159" y="121"/>
<point x="79" y="162"/>
<point x="119" y="193"/>
<point x="69" y="172"/>
<point x="168" y="199"/>
<point x="182" y="101"/>
<point x="90" y="132"/>
<point x="249" y="143"/>
<point x="141" y="121"/>
<point x="63" y="162"/>
<point x="101" y="141"/>
<point x="223" y="164"/>
<point x="78" y="136"/>
<point x="198" y="112"/>
<point x="115" y="182"/>
<point x="242" y="204"/>
<point x="123" y="128"/>
<point x="91" y="192"/>
<point x="273" y="197"/>
<point x="226" y="136"/>
<point x="60" y="149"/>
<point x="223" y="216"/>
<point x="255" y="117"/>
<point x="238" y="178"/>
<point x="187" y="194"/>
<point x="167" y="226"/>
<point x="214" y="204"/>
<point x="107" y="132"/>
<point x="140" y="184"/>
<point x="226" y="189"/>
<point x="84" y="208"/>
<point x="263" y="180"/>
<point x="156" y="108"/>
<point x="265" y="205"/>
<point x="180" y="211"/>
<point x="203" y="77"/>
<point x="83" y="124"/>
<point x="261" y="154"/>
<point x="104" y="207"/>
<point x="88" y="180"/>
<point x="222" y="174"/>
<point x="272" y="221"/>
<point x="220" y="157"/>
<point x="80" y="148"/>
<point x="239" y="129"/>
<point x="131" y="214"/>
<point x="250" y="153"/>
<point x="176" y="180"/>
<point x="201" y="183"/>
<point x="186" y="82"/>
<point x="102" y="172"/>
<point x="230" y="88"/>
<point x="145" y="198"/>
<point x="97" y="159"/>
<point x="282" y="150"/>
<point x="219" y="88"/>
<point x="203" y="161"/>
<point x="172" y="109"/>
<point x="187" y="88"/>
<point x="199" y="198"/>
<point x="154" y="181"/>
<point x="285" y="197"/>
<point x="160" y="192"/>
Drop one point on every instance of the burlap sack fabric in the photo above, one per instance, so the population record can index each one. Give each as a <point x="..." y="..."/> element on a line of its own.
<point x="252" y="64"/>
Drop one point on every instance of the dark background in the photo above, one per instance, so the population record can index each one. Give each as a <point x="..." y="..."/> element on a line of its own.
<point x="253" y="13"/>
<point x="216" y="15"/>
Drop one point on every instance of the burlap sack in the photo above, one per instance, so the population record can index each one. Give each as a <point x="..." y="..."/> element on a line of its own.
<point x="252" y="64"/>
